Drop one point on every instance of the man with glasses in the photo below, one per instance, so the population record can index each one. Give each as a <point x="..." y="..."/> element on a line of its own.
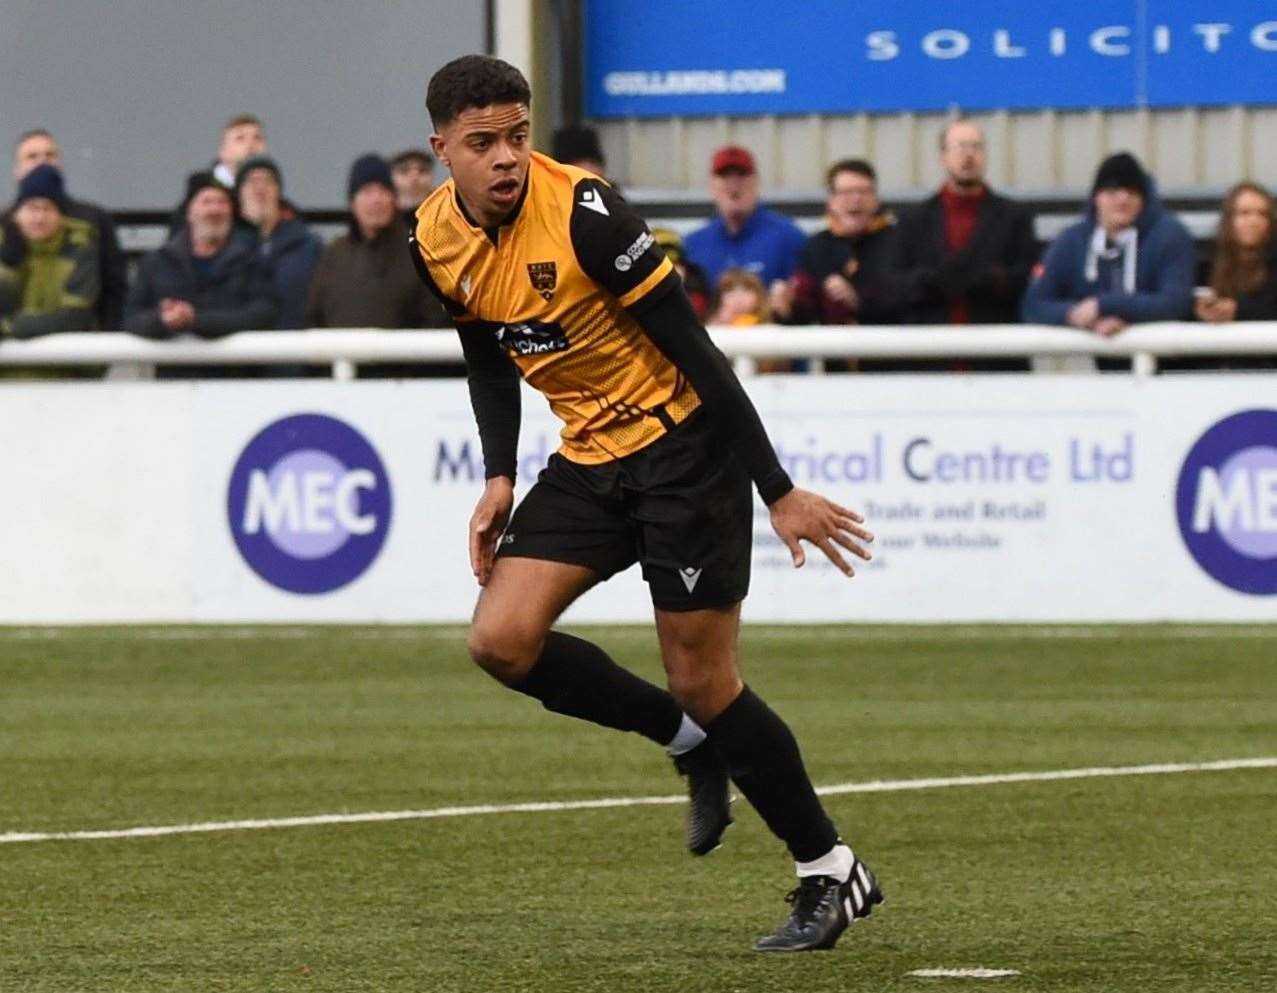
<point x="964" y="255"/>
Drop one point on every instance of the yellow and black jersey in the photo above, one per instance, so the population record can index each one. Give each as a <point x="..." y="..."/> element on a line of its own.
<point x="552" y="285"/>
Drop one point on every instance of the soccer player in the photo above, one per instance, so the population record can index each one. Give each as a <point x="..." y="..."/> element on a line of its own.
<point x="550" y="275"/>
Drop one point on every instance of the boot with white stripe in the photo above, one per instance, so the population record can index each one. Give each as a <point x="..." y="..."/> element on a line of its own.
<point x="823" y="908"/>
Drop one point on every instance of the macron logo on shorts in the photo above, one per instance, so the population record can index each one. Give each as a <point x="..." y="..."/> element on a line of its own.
<point x="690" y="577"/>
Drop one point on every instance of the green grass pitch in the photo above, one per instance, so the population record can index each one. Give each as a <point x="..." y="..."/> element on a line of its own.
<point x="1158" y="883"/>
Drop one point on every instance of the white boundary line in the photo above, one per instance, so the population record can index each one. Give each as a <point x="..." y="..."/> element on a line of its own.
<point x="888" y="786"/>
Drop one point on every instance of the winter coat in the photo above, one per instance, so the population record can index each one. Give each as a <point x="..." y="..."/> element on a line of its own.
<point x="864" y="260"/>
<point x="290" y="255"/>
<point x="235" y="297"/>
<point x="371" y="284"/>
<point x="989" y="274"/>
<point x="54" y="284"/>
<point x="1165" y="260"/>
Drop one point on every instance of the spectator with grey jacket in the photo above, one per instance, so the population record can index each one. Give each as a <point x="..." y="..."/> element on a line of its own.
<point x="1129" y="261"/>
<point x="203" y="281"/>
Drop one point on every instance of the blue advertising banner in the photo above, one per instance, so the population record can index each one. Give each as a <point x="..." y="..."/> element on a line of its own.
<point x="654" y="58"/>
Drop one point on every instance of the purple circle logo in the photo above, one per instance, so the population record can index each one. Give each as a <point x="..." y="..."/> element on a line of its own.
<point x="309" y="504"/>
<point x="1226" y="501"/>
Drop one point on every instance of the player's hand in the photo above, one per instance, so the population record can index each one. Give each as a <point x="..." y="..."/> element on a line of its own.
<point x="489" y="519"/>
<point x="802" y="514"/>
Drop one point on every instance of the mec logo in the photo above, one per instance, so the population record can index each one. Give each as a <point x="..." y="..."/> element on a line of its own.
<point x="309" y="504"/>
<point x="1226" y="501"/>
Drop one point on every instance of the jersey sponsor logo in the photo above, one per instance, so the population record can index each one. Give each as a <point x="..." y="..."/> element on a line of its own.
<point x="632" y="254"/>
<point x="593" y="200"/>
<point x="309" y="504"/>
<point x="690" y="577"/>
<point x="544" y="277"/>
<point x="1226" y="502"/>
<point x="532" y="337"/>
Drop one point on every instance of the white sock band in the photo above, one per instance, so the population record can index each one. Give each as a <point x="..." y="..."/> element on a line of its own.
<point x="836" y="862"/>
<point x="689" y="736"/>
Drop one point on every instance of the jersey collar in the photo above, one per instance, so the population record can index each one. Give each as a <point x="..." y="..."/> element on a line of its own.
<point x="510" y="218"/>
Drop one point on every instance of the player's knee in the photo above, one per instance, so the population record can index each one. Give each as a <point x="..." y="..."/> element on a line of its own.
<point x="502" y="651"/>
<point x="691" y="685"/>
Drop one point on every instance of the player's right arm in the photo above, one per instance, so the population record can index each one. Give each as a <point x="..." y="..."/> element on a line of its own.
<point x="616" y="250"/>
<point x="495" y="399"/>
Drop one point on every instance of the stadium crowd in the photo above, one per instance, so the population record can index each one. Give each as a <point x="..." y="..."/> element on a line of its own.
<point x="239" y="255"/>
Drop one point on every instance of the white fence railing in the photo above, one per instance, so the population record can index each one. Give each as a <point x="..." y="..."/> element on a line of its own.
<point x="1051" y="348"/>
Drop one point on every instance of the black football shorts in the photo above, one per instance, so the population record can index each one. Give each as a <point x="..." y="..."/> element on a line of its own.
<point x="682" y="507"/>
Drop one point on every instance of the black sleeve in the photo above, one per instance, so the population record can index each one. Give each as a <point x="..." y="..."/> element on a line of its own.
<point x="494" y="397"/>
<point x="613" y="244"/>
<point x="668" y="319"/>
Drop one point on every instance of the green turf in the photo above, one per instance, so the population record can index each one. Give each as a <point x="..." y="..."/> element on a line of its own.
<point x="1160" y="883"/>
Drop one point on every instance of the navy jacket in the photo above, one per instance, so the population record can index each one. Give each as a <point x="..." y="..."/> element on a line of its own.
<point x="236" y="297"/>
<point x="1164" y="265"/>
<point x="290" y="256"/>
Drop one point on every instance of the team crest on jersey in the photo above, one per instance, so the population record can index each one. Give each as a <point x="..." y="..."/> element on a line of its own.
<point x="544" y="277"/>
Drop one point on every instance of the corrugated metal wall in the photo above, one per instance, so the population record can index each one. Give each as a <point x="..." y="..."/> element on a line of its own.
<point x="1191" y="149"/>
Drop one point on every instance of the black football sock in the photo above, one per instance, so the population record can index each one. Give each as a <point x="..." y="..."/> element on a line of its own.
<point x="577" y="678"/>
<point x="763" y="760"/>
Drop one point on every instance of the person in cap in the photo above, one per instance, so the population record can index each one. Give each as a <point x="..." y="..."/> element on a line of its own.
<point x="413" y="172"/>
<point x="285" y="246"/>
<point x="365" y="278"/>
<point x="39" y="147"/>
<point x="1129" y="261"/>
<point x="743" y="234"/>
<point x="49" y="270"/>
<point x="206" y="280"/>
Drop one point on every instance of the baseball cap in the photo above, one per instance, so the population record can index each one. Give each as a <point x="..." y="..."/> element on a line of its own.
<point x="732" y="158"/>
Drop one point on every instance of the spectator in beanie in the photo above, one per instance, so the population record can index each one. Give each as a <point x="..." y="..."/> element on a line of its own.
<point x="579" y="146"/>
<point x="413" y="172"/>
<point x="38" y="147"/>
<point x="1128" y="261"/>
<point x="743" y="234"/>
<point x="844" y="271"/>
<point x="204" y="281"/>
<point x="1243" y="285"/>
<point x="694" y="283"/>
<point x="49" y="267"/>
<point x="285" y="246"/>
<point x="964" y="254"/>
<point x="365" y="278"/>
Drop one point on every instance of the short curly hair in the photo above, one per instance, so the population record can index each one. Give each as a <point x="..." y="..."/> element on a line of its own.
<point x="473" y="81"/>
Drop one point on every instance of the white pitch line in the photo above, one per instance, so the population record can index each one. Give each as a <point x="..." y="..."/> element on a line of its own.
<point x="962" y="973"/>
<point x="880" y="786"/>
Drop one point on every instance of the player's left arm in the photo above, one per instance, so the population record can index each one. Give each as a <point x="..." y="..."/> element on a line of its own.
<point x="606" y="230"/>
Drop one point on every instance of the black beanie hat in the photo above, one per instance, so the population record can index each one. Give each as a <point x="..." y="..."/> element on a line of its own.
<point x="196" y="182"/>
<point x="258" y="162"/>
<point x="42" y="182"/>
<point x="370" y="168"/>
<point x="571" y="144"/>
<point x="1121" y="171"/>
